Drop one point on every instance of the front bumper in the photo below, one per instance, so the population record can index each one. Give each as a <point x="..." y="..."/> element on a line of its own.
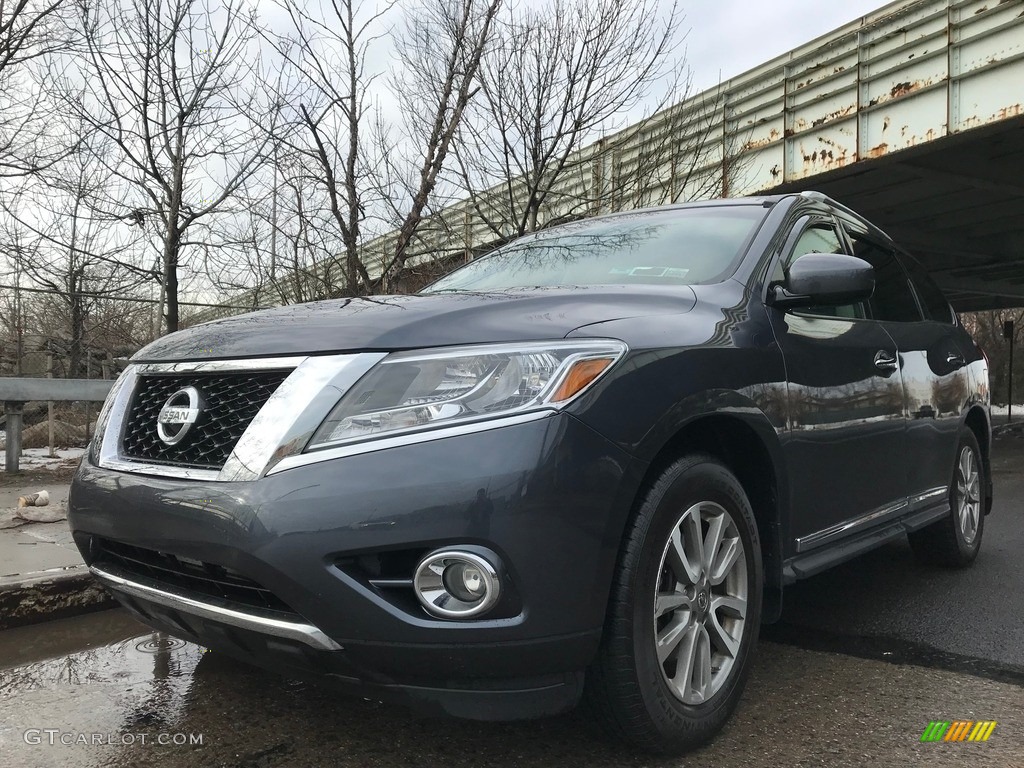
<point x="558" y="495"/>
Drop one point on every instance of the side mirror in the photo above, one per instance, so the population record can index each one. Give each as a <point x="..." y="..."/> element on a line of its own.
<point x="829" y="279"/>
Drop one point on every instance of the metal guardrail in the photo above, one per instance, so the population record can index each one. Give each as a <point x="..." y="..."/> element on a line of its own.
<point x="15" y="392"/>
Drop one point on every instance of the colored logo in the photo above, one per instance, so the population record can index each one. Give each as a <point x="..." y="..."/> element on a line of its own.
<point x="958" y="730"/>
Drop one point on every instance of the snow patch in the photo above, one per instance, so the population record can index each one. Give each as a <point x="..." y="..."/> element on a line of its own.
<point x="1002" y="410"/>
<point x="38" y="458"/>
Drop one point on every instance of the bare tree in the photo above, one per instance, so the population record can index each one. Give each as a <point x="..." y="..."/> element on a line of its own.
<point x="442" y="48"/>
<point x="370" y="168"/>
<point x="289" y="249"/>
<point x="165" y="81"/>
<point x="986" y="327"/>
<point x="677" y="154"/>
<point x="29" y="31"/>
<point x="326" y="48"/>
<point x="58" y="240"/>
<point x="25" y="30"/>
<point x="556" y="81"/>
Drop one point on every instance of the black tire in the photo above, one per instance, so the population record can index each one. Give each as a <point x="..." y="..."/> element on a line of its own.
<point x="945" y="542"/>
<point x="628" y="689"/>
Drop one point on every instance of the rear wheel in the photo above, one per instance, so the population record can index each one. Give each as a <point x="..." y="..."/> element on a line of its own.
<point x="684" y="613"/>
<point x="954" y="541"/>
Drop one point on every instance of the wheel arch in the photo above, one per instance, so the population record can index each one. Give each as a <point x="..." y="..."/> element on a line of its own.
<point x="977" y="420"/>
<point x="748" y="445"/>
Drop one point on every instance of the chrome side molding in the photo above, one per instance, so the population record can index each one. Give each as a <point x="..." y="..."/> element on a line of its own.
<point x="878" y="516"/>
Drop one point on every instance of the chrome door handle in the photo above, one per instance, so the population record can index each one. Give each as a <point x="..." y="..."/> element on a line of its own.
<point x="884" y="361"/>
<point x="954" y="359"/>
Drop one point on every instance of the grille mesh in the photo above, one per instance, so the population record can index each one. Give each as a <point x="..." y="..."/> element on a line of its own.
<point x="230" y="401"/>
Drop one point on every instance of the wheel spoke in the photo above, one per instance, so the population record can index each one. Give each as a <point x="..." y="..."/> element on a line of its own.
<point x="713" y="540"/>
<point x="965" y="464"/>
<point x="670" y="637"/>
<point x="727" y="556"/>
<point x="667" y="602"/>
<point x="686" y="553"/>
<point x="732" y="607"/>
<point x="974" y="488"/>
<point x="693" y="542"/>
<point x="693" y="667"/>
<point x="700" y="682"/>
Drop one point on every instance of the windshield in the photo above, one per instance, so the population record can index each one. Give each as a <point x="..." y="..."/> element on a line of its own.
<point x="683" y="246"/>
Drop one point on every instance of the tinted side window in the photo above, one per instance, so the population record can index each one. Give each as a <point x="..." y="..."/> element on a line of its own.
<point x="933" y="302"/>
<point x="817" y="238"/>
<point x="893" y="299"/>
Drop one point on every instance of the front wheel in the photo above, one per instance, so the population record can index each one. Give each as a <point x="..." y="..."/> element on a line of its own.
<point x="954" y="541"/>
<point x="684" y="612"/>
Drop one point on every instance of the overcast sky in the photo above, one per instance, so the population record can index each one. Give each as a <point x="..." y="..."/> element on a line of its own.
<point x="728" y="37"/>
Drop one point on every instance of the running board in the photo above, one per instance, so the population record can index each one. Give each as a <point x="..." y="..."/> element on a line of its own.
<point x="823" y="558"/>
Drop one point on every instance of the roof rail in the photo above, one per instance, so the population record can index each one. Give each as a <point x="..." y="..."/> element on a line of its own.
<point x="821" y="197"/>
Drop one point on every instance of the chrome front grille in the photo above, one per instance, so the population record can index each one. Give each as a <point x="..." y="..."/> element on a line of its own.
<point x="230" y="401"/>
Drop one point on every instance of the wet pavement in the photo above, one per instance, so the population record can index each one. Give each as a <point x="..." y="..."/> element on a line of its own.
<point x="925" y="613"/>
<point x="104" y="677"/>
<point x="865" y="657"/>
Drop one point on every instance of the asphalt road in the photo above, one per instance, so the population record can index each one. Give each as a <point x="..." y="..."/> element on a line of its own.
<point x="885" y="604"/>
<point x="865" y="657"/>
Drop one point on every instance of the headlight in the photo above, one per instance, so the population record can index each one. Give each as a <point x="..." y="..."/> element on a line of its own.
<point x="418" y="390"/>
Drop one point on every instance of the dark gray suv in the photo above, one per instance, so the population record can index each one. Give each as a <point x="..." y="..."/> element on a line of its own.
<point x="584" y="465"/>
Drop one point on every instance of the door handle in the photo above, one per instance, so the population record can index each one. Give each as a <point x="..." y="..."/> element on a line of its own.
<point x="955" y="359"/>
<point x="886" y="361"/>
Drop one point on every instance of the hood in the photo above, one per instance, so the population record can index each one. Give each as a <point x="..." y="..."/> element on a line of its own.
<point x="387" y="323"/>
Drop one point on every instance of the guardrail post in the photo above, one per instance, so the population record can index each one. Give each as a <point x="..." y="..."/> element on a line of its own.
<point x="12" y="449"/>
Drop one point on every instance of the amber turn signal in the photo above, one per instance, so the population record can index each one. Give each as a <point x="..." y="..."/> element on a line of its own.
<point x="582" y="373"/>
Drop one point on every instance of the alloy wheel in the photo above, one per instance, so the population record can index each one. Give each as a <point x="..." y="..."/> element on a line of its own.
<point x="700" y="605"/>
<point x="968" y="494"/>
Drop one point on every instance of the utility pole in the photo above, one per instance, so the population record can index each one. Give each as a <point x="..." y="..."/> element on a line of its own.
<point x="19" y="328"/>
<point x="273" y="226"/>
<point x="1008" y="334"/>
<point x="49" y="406"/>
<point x="88" y="403"/>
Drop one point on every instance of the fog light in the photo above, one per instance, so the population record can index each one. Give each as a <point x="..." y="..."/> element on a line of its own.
<point x="456" y="585"/>
<point x="465" y="581"/>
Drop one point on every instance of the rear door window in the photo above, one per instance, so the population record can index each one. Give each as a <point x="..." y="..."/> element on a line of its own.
<point x="933" y="303"/>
